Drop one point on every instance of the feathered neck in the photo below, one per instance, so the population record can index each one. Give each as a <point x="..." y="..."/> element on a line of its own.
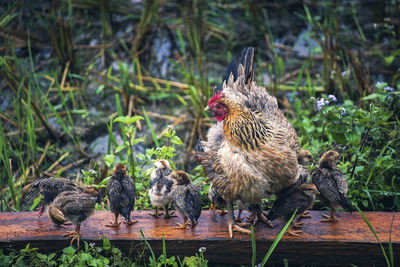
<point x="246" y="129"/>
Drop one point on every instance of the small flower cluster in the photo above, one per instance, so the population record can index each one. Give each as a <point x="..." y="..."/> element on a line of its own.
<point x="322" y="102"/>
<point x="202" y="249"/>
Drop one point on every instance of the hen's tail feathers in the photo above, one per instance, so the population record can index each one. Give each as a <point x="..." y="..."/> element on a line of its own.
<point x="247" y="61"/>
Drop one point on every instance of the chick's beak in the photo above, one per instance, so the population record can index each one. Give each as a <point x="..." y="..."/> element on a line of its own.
<point x="206" y="108"/>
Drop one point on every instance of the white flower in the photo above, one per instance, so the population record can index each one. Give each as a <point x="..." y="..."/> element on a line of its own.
<point x="332" y="97"/>
<point x="99" y="250"/>
<point x="91" y="245"/>
<point x="92" y="171"/>
<point x="202" y="249"/>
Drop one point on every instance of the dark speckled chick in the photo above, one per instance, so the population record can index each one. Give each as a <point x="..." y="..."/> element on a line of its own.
<point x="72" y="206"/>
<point x="121" y="195"/>
<point x="160" y="187"/>
<point x="186" y="198"/>
<point x="50" y="188"/>
<point x="302" y="199"/>
<point x="332" y="184"/>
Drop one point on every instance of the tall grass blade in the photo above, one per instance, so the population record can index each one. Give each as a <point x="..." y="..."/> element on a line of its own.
<point x="253" y="247"/>
<point x="153" y="134"/>
<point x="148" y="245"/>
<point x="276" y="241"/>
<point x="374" y="233"/>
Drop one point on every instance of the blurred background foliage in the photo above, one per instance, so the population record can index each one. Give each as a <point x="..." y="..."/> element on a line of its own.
<point x="88" y="83"/>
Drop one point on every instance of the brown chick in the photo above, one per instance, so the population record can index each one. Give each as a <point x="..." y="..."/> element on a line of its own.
<point x="302" y="199"/>
<point x="72" y="206"/>
<point x="50" y="188"/>
<point x="332" y="184"/>
<point x="186" y="198"/>
<point x="160" y="187"/>
<point x="121" y="195"/>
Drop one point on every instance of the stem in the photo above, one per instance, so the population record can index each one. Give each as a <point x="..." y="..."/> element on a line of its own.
<point x="361" y="149"/>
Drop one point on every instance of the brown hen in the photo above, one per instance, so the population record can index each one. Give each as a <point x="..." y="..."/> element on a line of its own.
<point x="252" y="151"/>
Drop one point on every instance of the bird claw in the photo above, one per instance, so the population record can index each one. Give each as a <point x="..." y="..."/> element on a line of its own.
<point x="130" y="222"/>
<point x="113" y="224"/>
<point x="181" y="226"/>
<point x="265" y="220"/>
<point x="237" y="228"/>
<point x="294" y="232"/>
<point x="156" y="214"/>
<point x="329" y="218"/>
<point x="222" y="212"/>
<point x="304" y="215"/>
<point x="169" y="215"/>
<point x="298" y="225"/>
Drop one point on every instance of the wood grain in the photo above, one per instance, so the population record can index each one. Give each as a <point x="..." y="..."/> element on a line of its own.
<point x="349" y="241"/>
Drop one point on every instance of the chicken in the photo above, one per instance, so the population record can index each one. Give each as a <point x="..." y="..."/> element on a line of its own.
<point x="121" y="195"/>
<point x="74" y="206"/>
<point x="252" y="150"/>
<point x="186" y="198"/>
<point x="216" y="200"/>
<point x="50" y="188"/>
<point x="284" y="206"/>
<point x="304" y="158"/>
<point x="160" y="187"/>
<point x="332" y="184"/>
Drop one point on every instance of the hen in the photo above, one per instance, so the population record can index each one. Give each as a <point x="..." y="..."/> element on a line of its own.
<point x="186" y="198"/>
<point x="121" y="195"/>
<point x="332" y="184"/>
<point x="72" y="206"/>
<point x="160" y="187"/>
<point x="252" y="150"/>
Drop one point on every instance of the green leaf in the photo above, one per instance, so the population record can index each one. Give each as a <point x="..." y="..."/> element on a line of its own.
<point x="354" y="137"/>
<point x="128" y="120"/>
<point x="69" y="250"/>
<point x="176" y="140"/>
<point x="120" y="148"/>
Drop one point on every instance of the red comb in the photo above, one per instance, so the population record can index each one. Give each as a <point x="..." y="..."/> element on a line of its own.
<point x="215" y="97"/>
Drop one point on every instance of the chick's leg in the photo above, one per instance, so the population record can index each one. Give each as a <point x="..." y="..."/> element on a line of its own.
<point x="114" y="224"/>
<point x="305" y="215"/>
<point x="40" y="211"/>
<point x="331" y="218"/>
<point x="155" y="213"/>
<point x="76" y="235"/>
<point x="168" y="215"/>
<point x="232" y="225"/>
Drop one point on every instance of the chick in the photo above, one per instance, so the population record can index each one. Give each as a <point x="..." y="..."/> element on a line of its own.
<point x="121" y="195"/>
<point x="160" y="187"/>
<point x="332" y="184"/>
<point x="50" y="188"/>
<point x="72" y="206"/>
<point x="186" y="198"/>
<point x="302" y="199"/>
<point x="216" y="200"/>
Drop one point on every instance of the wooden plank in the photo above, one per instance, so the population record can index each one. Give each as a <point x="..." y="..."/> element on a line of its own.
<point x="347" y="242"/>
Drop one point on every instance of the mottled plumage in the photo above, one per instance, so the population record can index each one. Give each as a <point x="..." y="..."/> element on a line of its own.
<point x="160" y="187"/>
<point x="252" y="150"/>
<point x="50" y="188"/>
<point x="121" y="194"/>
<point x="186" y="198"/>
<point x="301" y="199"/>
<point x="331" y="184"/>
<point x="72" y="206"/>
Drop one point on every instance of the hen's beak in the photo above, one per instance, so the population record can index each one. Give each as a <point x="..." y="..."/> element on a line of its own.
<point x="206" y="108"/>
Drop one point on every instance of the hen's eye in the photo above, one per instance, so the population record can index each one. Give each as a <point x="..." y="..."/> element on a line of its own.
<point x="217" y="106"/>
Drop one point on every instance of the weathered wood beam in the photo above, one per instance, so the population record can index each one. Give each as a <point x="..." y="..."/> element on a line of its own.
<point x="349" y="241"/>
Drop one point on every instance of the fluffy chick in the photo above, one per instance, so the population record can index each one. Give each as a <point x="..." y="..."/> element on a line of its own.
<point x="216" y="200"/>
<point x="160" y="187"/>
<point x="302" y="199"/>
<point x="186" y="198"/>
<point x="50" y="188"/>
<point x="121" y="195"/>
<point x="332" y="184"/>
<point x="72" y="206"/>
